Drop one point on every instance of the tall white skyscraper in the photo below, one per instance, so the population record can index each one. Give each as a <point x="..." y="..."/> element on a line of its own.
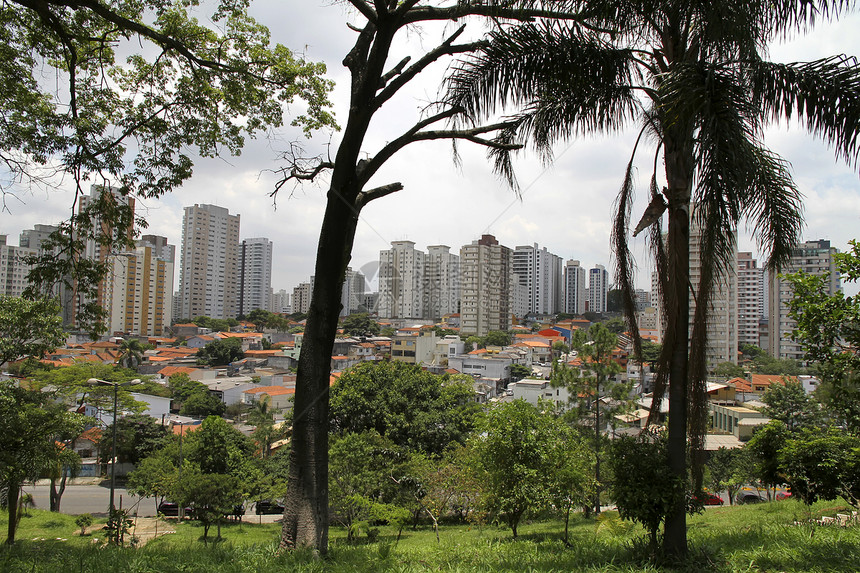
<point x="812" y="257"/>
<point x="574" y="288"/>
<point x="255" y="274"/>
<point x="540" y="272"/>
<point x="280" y="302"/>
<point x="401" y="281"/>
<point x="750" y="299"/>
<point x="598" y="287"/>
<point x="486" y="268"/>
<point x="352" y="295"/>
<point x="208" y="283"/>
<point x="441" y="282"/>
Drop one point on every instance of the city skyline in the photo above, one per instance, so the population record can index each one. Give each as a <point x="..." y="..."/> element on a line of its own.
<point x="565" y="207"/>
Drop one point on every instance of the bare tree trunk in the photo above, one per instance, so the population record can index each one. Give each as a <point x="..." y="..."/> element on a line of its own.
<point x="306" y="508"/>
<point x="12" y="500"/>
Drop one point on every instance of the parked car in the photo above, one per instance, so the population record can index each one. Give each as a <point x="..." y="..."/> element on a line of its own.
<point x="269" y="507"/>
<point x="749" y="495"/>
<point x="171" y="509"/>
<point x="707" y="498"/>
<point x="783" y="495"/>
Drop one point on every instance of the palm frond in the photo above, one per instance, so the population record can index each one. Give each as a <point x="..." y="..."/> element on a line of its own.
<point x="824" y="95"/>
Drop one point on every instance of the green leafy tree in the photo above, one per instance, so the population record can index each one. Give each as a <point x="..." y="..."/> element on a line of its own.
<point x="360" y="466"/>
<point x="790" y="404"/>
<point x="650" y="351"/>
<point x="129" y="122"/>
<point x="694" y="77"/>
<point x="729" y="370"/>
<point x="260" y="318"/>
<point x="360" y="325"/>
<point x="644" y="488"/>
<point x="405" y="404"/>
<point x="763" y="449"/>
<point x="818" y="465"/>
<point x="29" y="422"/>
<point x="520" y="371"/>
<point x="523" y="454"/>
<point x="497" y="338"/>
<point x="211" y="497"/>
<point x="723" y="471"/>
<point x="202" y="405"/>
<point x="29" y="327"/>
<point x="221" y="352"/>
<point x="137" y="436"/>
<point x="591" y="382"/>
<point x="827" y="329"/>
<point x="218" y="448"/>
<point x="156" y="475"/>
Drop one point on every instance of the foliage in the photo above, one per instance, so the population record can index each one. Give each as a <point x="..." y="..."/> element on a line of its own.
<point x="723" y="471"/>
<point x="650" y="351"/>
<point x="83" y="521"/>
<point x="29" y="327"/>
<point x="131" y="353"/>
<point x="790" y="404"/>
<point x="763" y="449"/>
<point x="644" y="488"/>
<point x="137" y="436"/>
<point x="359" y="468"/>
<point x="218" y="448"/>
<point x="142" y="83"/>
<point x="615" y="325"/>
<point x="527" y="460"/>
<point x="821" y="465"/>
<point x="154" y="476"/>
<point x="360" y="325"/>
<point x="403" y="403"/>
<point x="260" y="318"/>
<point x="29" y="420"/>
<point x="216" y="324"/>
<point x="695" y="80"/>
<point x="729" y="370"/>
<point x="828" y="329"/>
<point x="520" y="371"/>
<point x="497" y="338"/>
<point x="211" y="497"/>
<point x="221" y="352"/>
<point x="193" y="398"/>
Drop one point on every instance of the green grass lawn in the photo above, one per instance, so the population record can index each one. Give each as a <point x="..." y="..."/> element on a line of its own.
<point x="726" y="539"/>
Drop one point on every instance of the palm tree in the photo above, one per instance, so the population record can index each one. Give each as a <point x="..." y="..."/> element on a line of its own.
<point x="693" y="76"/>
<point x="131" y="353"/>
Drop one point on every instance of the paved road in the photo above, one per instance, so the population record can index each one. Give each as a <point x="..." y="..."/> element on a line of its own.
<point x="93" y="499"/>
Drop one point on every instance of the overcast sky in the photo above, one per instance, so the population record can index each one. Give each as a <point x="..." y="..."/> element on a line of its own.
<point x="566" y="206"/>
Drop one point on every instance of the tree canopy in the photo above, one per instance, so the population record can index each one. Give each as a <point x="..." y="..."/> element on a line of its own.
<point x="129" y="123"/>
<point x="29" y="327"/>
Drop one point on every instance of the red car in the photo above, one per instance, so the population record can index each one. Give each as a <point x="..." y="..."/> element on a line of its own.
<point x="707" y="498"/>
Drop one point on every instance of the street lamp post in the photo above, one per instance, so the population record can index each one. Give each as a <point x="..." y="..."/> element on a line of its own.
<point x="116" y="385"/>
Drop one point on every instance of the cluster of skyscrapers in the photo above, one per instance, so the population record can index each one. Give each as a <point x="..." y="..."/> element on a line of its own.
<point x="485" y="282"/>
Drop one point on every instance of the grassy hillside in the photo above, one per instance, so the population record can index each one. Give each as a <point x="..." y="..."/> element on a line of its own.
<point x="727" y="539"/>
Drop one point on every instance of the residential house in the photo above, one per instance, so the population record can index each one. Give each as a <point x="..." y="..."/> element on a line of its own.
<point x="278" y="397"/>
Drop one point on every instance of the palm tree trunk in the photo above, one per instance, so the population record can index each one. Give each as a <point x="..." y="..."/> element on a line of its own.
<point x="306" y="511"/>
<point x="679" y="172"/>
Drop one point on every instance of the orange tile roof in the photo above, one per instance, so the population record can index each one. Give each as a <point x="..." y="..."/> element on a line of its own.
<point x="169" y="371"/>
<point x="479" y="351"/>
<point x="252" y="353"/>
<point x="239" y="334"/>
<point x="186" y="324"/>
<point x="271" y="390"/>
<point x="94" y="434"/>
<point x="185" y="428"/>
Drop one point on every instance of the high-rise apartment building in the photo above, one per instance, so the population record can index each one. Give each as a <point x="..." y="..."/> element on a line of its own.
<point x="812" y="257"/>
<point x="441" y="282"/>
<point x="750" y="299"/>
<point x="139" y="296"/>
<point x="255" y="274"/>
<point x="401" y="281"/>
<point x="540" y="272"/>
<point x="352" y="294"/>
<point x="13" y="268"/>
<point x="302" y="297"/>
<point x="598" y="288"/>
<point x="723" y="311"/>
<point x="486" y="270"/>
<point x="574" y="288"/>
<point x="280" y="302"/>
<point x="209" y="263"/>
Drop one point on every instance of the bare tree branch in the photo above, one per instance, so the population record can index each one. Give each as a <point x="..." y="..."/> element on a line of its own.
<point x="366" y="9"/>
<point x="367" y="196"/>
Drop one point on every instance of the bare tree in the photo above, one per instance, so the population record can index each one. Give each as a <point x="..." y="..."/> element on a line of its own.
<point x="375" y="80"/>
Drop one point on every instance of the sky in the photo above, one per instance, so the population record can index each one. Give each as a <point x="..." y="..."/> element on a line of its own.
<point x="565" y="206"/>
